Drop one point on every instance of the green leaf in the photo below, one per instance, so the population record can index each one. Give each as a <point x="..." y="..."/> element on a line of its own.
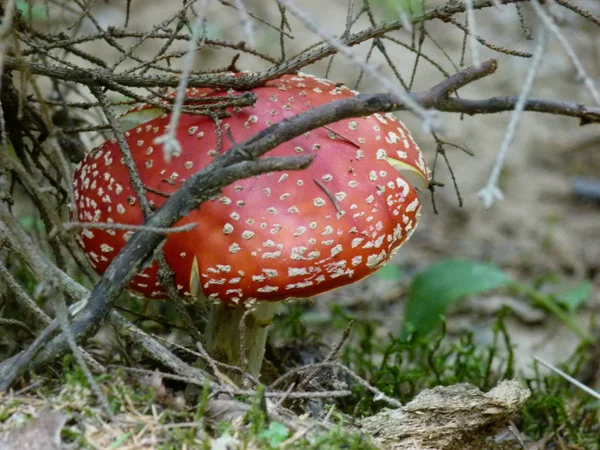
<point x="389" y="272"/>
<point x="37" y="11"/>
<point x="435" y="289"/>
<point x="31" y="223"/>
<point x="275" y="434"/>
<point x="572" y="298"/>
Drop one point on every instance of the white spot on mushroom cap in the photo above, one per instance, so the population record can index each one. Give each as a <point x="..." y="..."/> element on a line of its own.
<point x="300" y="231"/>
<point x="356" y="242"/>
<point x="270" y="273"/>
<point x="375" y="259"/>
<point x="105" y="248"/>
<point x="247" y="234"/>
<point x="413" y="205"/>
<point x="228" y="228"/>
<point x="336" y="250"/>
<point x="297" y="271"/>
<point x="267" y="255"/>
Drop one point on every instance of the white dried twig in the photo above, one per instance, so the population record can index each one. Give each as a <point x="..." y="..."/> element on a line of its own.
<point x="171" y="145"/>
<point x="551" y="26"/>
<point x="472" y="27"/>
<point x="569" y="378"/>
<point x="404" y="18"/>
<point x="247" y="23"/>
<point x="429" y="117"/>
<point x="491" y="192"/>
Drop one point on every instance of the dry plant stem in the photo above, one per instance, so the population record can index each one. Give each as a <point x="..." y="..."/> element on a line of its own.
<point x="491" y="192"/>
<point x="580" y="11"/>
<point x="160" y="353"/>
<point x="471" y="24"/>
<point x="569" y="378"/>
<point x="311" y="368"/>
<point x="333" y="354"/>
<point x="241" y="162"/>
<point x="212" y="363"/>
<point x="67" y="226"/>
<point x="18" y="323"/>
<point x="237" y="336"/>
<point x="564" y="42"/>
<point x="134" y="177"/>
<point x="169" y="140"/>
<point x="246" y="20"/>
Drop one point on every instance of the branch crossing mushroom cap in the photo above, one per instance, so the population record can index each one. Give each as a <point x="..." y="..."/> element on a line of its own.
<point x="270" y="237"/>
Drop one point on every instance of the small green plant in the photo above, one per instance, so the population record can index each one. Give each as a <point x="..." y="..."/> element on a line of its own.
<point x="275" y="434"/>
<point x="402" y="366"/>
<point x="445" y="283"/>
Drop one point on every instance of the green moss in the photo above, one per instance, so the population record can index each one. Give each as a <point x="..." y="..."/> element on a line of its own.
<point x="401" y="367"/>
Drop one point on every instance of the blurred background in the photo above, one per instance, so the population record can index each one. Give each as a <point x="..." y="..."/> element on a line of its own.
<point x="532" y="259"/>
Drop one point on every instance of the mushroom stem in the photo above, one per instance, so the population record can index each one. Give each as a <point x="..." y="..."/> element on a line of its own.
<point x="227" y="336"/>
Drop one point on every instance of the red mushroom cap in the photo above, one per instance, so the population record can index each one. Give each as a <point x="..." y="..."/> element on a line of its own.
<point x="273" y="236"/>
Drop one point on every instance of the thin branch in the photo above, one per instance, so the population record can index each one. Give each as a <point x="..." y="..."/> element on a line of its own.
<point x="569" y="378"/>
<point x="134" y="176"/>
<point x="491" y="192"/>
<point x="244" y="81"/>
<point x="494" y="47"/>
<point x="472" y="27"/>
<point x="429" y="119"/>
<point x="580" y="11"/>
<point x="246" y="20"/>
<point x="552" y="28"/>
<point x="67" y="226"/>
<point x="171" y="145"/>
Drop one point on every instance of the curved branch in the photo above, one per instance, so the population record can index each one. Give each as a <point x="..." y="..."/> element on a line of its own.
<point x="586" y="114"/>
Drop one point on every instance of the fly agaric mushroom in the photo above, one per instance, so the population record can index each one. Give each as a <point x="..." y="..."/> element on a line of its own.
<point x="270" y="237"/>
